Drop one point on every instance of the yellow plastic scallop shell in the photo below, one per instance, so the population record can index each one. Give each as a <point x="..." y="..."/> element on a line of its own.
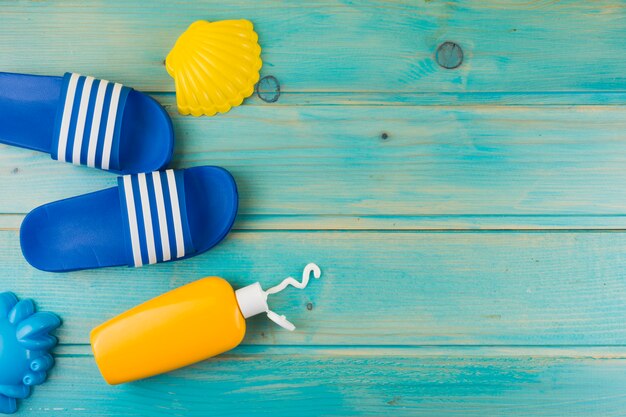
<point x="215" y="66"/>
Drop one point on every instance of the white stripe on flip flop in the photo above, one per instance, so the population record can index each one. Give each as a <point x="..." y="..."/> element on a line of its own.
<point x="147" y="218"/>
<point x="80" y="123"/>
<point x="67" y="116"/>
<point x="178" y="226"/>
<point x="108" y="135"/>
<point x="132" y="220"/>
<point x="160" y="202"/>
<point x="95" y="124"/>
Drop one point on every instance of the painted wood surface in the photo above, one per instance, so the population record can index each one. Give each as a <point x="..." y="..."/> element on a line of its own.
<point x="353" y="381"/>
<point x="327" y="46"/>
<point x="469" y="222"/>
<point x="437" y="166"/>
<point x="380" y="288"/>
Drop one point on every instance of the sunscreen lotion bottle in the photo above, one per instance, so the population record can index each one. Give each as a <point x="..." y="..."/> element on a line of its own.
<point x="181" y="327"/>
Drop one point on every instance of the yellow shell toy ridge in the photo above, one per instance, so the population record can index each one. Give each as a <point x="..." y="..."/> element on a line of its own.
<point x="215" y="65"/>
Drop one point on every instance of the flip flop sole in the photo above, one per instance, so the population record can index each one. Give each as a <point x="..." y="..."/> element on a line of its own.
<point x="28" y="118"/>
<point x="88" y="231"/>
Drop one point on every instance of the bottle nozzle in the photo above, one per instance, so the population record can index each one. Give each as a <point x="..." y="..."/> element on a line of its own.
<point x="252" y="299"/>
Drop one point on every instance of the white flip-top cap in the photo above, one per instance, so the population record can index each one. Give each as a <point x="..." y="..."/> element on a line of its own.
<point x="252" y="300"/>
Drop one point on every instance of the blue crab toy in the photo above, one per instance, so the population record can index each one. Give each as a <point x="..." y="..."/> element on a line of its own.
<point x="25" y="343"/>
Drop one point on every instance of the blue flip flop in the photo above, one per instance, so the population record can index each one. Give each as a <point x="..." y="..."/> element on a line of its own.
<point x="147" y="218"/>
<point x="85" y="121"/>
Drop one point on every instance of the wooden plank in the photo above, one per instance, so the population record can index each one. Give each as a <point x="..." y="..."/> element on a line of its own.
<point x="334" y="46"/>
<point x="407" y="223"/>
<point x="434" y="223"/>
<point x="381" y="288"/>
<point x="354" y="381"/>
<point x="443" y="167"/>
<point x="537" y="98"/>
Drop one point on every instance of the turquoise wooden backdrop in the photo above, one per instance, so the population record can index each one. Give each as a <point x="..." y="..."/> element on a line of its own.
<point x="469" y="222"/>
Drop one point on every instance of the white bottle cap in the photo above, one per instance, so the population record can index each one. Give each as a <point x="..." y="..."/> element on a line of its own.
<point x="281" y="321"/>
<point x="252" y="300"/>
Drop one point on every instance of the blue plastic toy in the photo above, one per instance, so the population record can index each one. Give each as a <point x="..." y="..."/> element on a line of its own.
<point x="147" y="218"/>
<point x="25" y="343"/>
<point x="85" y="121"/>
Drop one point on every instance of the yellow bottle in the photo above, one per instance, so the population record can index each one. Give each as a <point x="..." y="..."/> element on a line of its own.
<point x="186" y="325"/>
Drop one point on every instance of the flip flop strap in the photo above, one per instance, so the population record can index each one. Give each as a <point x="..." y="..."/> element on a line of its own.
<point x="155" y="217"/>
<point x="88" y="122"/>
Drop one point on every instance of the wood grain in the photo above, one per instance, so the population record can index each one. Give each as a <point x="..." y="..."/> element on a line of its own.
<point x="492" y="166"/>
<point x="353" y="381"/>
<point x="381" y="288"/>
<point x="329" y="46"/>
